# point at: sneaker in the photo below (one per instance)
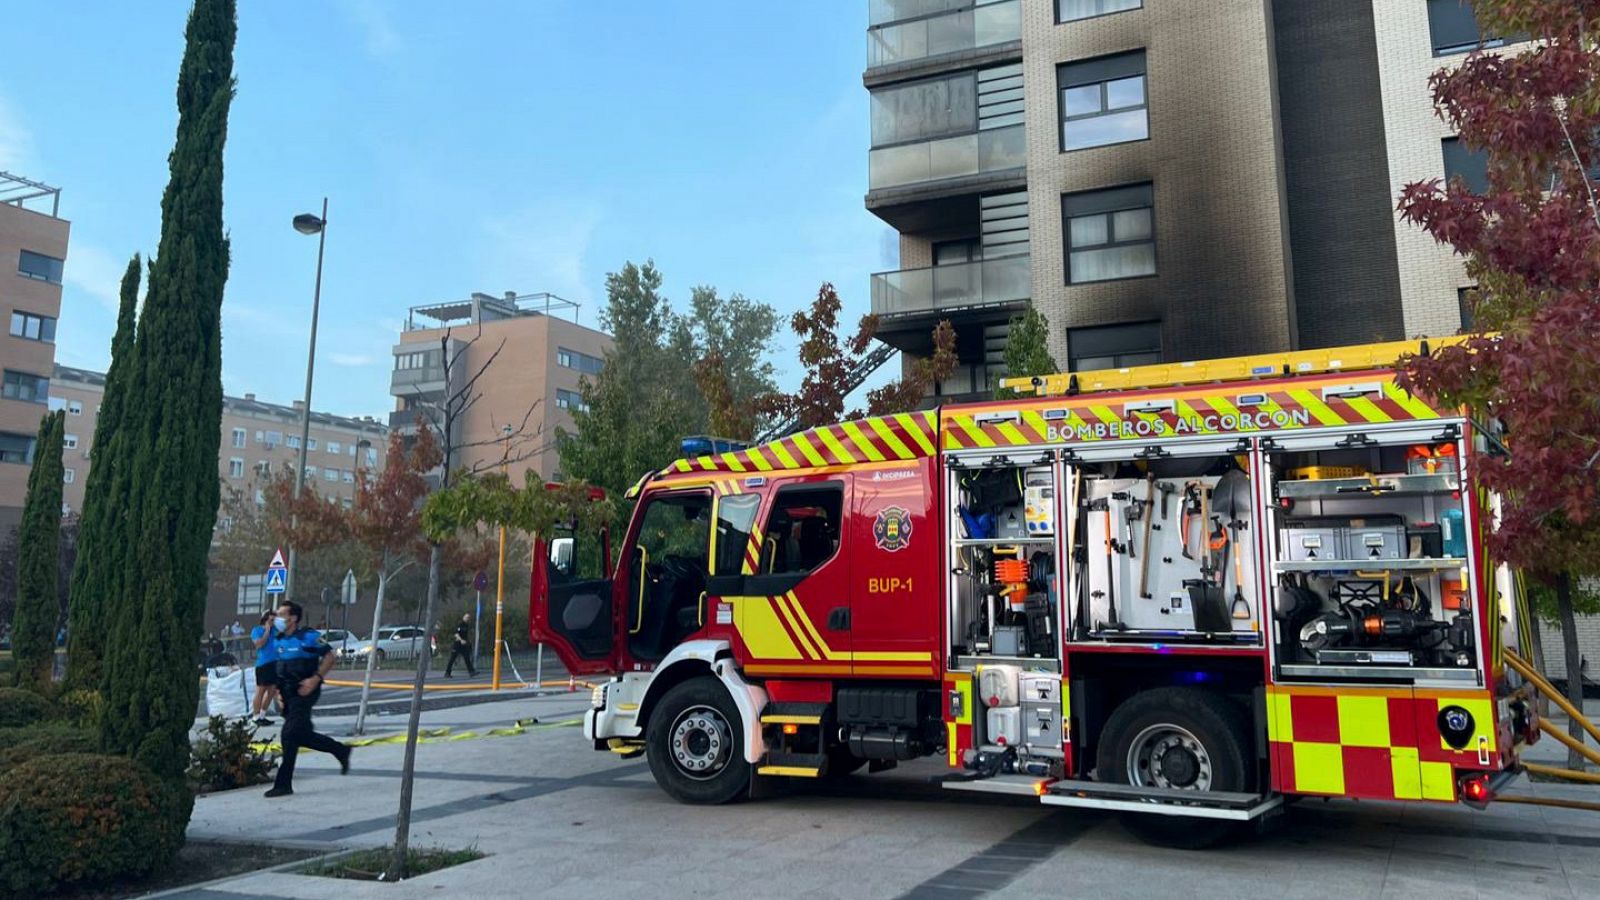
(263, 720)
(279, 792)
(344, 761)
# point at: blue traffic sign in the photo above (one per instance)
(276, 579)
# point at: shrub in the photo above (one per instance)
(48, 741)
(82, 707)
(225, 757)
(83, 818)
(21, 734)
(20, 707)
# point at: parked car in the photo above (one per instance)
(343, 642)
(397, 642)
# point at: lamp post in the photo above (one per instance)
(307, 223)
(500, 581)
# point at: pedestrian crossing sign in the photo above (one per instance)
(277, 574)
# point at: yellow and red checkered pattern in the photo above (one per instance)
(1376, 743)
(903, 436)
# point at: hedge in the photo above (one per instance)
(20, 707)
(47, 741)
(82, 818)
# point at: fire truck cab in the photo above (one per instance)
(1181, 592)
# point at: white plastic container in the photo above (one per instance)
(1005, 726)
(997, 685)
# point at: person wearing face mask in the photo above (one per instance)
(303, 661)
(266, 668)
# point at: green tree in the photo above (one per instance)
(33, 630)
(168, 490)
(1027, 350)
(98, 524)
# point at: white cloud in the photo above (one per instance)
(371, 18)
(351, 360)
(540, 249)
(93, 271)
(16, 141)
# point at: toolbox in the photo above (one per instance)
(1044, 690)
(1314, 538)
(1043, 724)
(1375, 537)
(1424, 540)
(1009, 640)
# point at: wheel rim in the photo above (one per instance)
(1167, 756)
(701, 743)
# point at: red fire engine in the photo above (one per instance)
(1183, 591)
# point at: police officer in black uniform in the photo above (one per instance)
(303, 660)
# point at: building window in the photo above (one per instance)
(1114, 346)
(274, 438)
(926, 109)
(252, 594)
(352, 451)
(333, 447)
(418, 360)
(1454, 29)
(330, 474)
(69, 441)
(1073, 10)
(37, 265)
(75, 407)
(566, 399)
(349, 476)
(1465, 298)
(1471, 166)
(294, 442)
(25, 386)
(238, 437)
(1110, 234)
(583, 362)
(33, 328)
(372, 456)
(311, 443)
(263, 468)
(235, 468)
(68, 476)
(311, 473)
(345, 502)
(16, 448)
(1103, 101)
(261, 497)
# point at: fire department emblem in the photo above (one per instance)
(892, 530)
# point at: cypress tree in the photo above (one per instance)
(97, 528)
(38, 605)
(168, 487)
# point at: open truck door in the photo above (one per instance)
(570, 604)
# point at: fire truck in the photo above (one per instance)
(1181, 592)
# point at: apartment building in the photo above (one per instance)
(33, 239)
(258, 438)
(1164, 180)
(530, 389)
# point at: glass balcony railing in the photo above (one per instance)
(982, 283)
(983, 25)
(966, 154)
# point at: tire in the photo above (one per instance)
(694, 743)
(1180, 738)
(841, 762)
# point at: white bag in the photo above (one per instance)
(228, 691)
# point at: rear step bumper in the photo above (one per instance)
(1240, 807)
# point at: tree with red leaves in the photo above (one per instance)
(828, 362)
(1532, 242)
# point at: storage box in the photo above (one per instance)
(1424, 541)
(997, 685)
(1318, 538)
(1320, 473)
(1044, 690)
(1043, 725)
(1005, 726)
(1375, 537)
(1009, 640)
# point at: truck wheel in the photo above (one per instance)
(1183, 739)
(695, 744)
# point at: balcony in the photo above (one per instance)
(406, 419)
(965, 155)
(986, 25)
(999, 282)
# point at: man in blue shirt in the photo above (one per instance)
(266, 669)
(303, 661)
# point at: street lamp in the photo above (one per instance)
(308, 224)
(500, 582)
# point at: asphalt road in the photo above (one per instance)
(554, 814)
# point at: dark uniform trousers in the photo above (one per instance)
(298, 732)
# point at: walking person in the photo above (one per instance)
(303, 661)
(266, 669)
(461, 646)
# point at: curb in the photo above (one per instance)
(332, 856)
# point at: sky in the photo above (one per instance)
(476, 145)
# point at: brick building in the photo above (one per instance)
(1163, 180)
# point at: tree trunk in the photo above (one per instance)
(372, 652)
(1574, 661)
(402, 829)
